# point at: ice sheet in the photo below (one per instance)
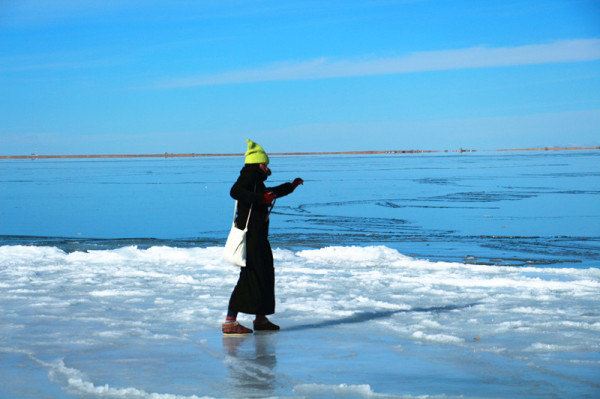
(357, 322)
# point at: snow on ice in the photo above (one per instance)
(56, 304)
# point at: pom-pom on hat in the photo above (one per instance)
(255, 153)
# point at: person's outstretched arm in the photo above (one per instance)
(286, 188)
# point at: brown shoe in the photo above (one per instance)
(234, 328)
(265, 325)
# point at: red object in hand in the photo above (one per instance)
(268, 197)
(297, 181)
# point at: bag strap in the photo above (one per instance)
(235, 212)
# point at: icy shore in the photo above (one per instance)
(358, 322)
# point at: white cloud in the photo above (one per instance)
(425, 61)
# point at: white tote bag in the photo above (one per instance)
(235, 247)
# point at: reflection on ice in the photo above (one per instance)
(251, 372)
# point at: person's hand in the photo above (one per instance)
(268, 197)
(297, 181)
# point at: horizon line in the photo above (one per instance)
(302, 153)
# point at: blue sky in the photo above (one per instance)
(201, 76)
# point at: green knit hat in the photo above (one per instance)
(255, 153)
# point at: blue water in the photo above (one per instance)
(444, 275)
(494, 208)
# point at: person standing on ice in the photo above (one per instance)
(254, 292)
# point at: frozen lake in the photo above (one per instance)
(472, 275)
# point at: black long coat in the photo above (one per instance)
(254, 292)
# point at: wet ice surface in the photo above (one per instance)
(133, 323)
(123, 295)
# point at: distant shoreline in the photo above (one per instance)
(308, 153)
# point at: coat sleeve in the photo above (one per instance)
(243, 189)
(282, 190)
